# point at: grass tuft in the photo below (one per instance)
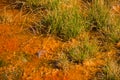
(65, 24)
(82, 52)
(98, 14)
(112, 71)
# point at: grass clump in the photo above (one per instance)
(44, 4)
(65, 24)
(63, 62)
(33, 2)
(23, 56)
(97, 14)
(53, 4)
(112, 71)
(114, 30)
(82, 52)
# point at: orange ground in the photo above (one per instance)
(15, 43)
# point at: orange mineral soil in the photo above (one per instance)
(27, 56)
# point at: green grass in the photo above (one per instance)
(114, 30)
(65, 24)
(98, 15)
(33, 2)
(63, 62)
(112, 71)
(46, 4)
(23, 56)
(85, 50)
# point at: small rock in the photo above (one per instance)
(40, 53)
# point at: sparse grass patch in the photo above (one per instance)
(3, 76)
(98, 14)
(64, 63)
(46, 4)
(25, 57)
(17, 74)
(52, 5)
(33, 2)
(13, 74)
(114, 30)
(114, 36)
(85, 50)
(63, 19)
(65, 24)
(112, 71)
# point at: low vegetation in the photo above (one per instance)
(52, 39)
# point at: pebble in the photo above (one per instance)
(40, 53)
